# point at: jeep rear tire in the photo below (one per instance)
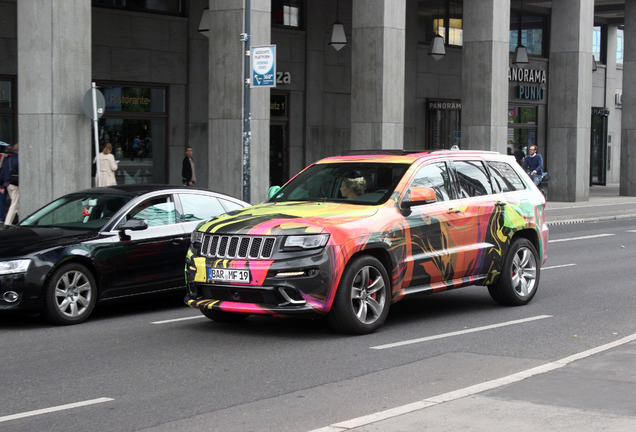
(519, 278)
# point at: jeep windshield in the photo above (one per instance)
(354, 182)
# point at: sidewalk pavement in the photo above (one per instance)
(604, 204)
(591, 391)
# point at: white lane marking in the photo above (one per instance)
(469, 391)
(631, 231)
(54, 409)
(580, 238)
(460, 332)
(557, 266)
(178, 319)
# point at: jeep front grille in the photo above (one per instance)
(237, 247)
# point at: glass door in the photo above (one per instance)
(598, 151)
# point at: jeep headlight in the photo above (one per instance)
(310, 241)
(15, 266)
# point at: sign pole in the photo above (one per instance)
(96, 133)
(247, 115)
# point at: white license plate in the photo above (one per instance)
(228, 275)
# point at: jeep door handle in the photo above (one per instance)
(500, 203)
(453, 210)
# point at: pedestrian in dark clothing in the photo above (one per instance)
(187, 168)
(9, 183)
(533, 164)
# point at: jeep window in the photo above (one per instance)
(322, 182)
(436, 177)
(472, 179)
(504, 177)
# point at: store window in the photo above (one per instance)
(135, 123)
(172, 7)
(522, 130)
(444, 123)
(7, 111)
(286, 13)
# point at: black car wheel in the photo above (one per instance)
(519, 278)
(222, 316)
(70, 295)
(362, 301)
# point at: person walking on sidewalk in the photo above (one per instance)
(10, 182)
(3, 194)
(187, 168)
(107, 166)
(533, 164)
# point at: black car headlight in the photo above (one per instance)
(196, 237)
(14, 266)
(308, 241)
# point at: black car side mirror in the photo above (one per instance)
(134, 224)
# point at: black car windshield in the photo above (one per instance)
(86, 211)
(355, 182)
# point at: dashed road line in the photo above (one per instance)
(580, 238)
(54, 409)
(458, 333)
(178, 319)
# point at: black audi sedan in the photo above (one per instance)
(102, 244)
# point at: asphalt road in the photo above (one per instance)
(163, 367)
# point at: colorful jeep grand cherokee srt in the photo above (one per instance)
(350, 235)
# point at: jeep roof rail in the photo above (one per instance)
(381, 152)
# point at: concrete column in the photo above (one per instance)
(54, 72)
(570, 99)
(225, 112)
(318, 32)
(485, 61)
(628, 133)
(377, 76)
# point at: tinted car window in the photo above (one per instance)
(200, 207)
(472, 179)
(89, 211)
(434, 176)
(156, 211)
(504, 177)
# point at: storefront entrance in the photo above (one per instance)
(598, 151)
(278, 139)
(135, 123)
(444, 123)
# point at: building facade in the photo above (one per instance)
(172, 74)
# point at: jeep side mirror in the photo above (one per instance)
(421, 195)
(271, 193)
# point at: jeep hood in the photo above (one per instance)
(288, 218)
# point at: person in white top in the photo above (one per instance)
(107, 166)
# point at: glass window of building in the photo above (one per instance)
(7, 111)
(620, 47)
(532, 31)
(596, 43)
(172, 7)
(286, 13)
(135, 123)
(443, 17)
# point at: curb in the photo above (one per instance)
(591, 219)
